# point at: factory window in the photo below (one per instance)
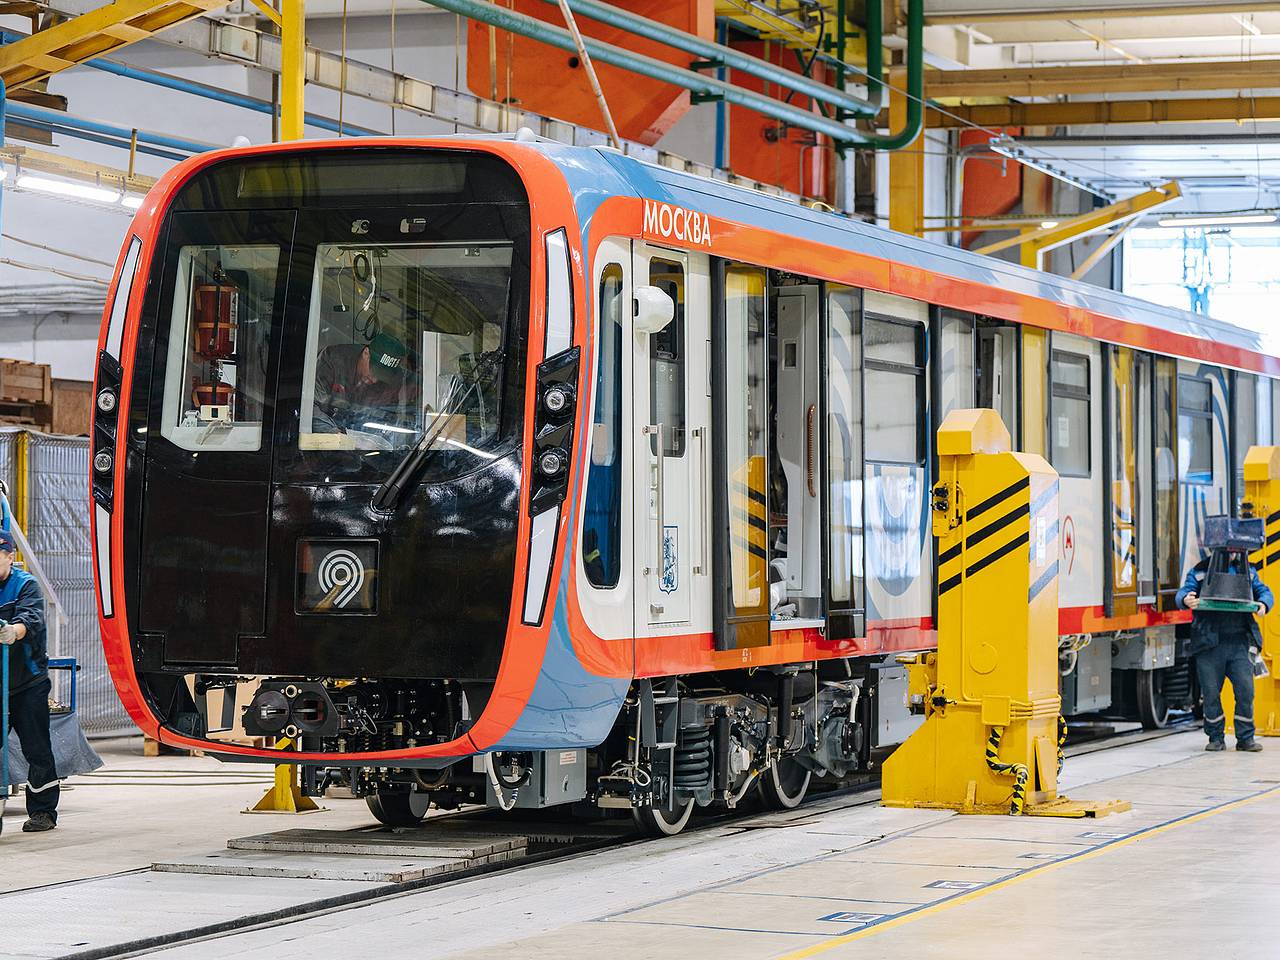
(602, 522)
(1069, 423)
(223, 306)
(1195, 430)
(894, 353)
(666, 362)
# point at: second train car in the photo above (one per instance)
(499, 470)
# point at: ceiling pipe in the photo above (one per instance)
(915, 80)
(735, 59)
(660, 70)
(55, 118)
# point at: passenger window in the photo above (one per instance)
(666, 362)
(894, 353)
(1069, 445)
(215, 373)
(602, 521)
(1195, 430)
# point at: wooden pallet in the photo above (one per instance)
(22, 381)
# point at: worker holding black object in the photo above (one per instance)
(1224, 593)
(22, 630)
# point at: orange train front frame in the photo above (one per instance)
(557, 683)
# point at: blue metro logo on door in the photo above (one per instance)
(669, 579)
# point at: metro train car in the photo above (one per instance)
(495, 470)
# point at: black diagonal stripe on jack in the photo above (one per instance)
(991, 501)
(1273, 557)
(1273, 517)
(949, 583)
(1273, 538)
(951, 552)
(1019, 541)
(996, 525)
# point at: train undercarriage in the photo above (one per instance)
(680, 743)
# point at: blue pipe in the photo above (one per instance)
(222, 96)
(26, 111)
(122, 144)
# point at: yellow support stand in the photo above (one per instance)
(1262, 499)
(990, 741)
(285, 795)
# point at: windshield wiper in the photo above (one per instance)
(387, 497)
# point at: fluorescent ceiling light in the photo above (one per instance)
(131, 203)
(67, 188)
(1048, 224)
(1221, 220)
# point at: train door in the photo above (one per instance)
(1120, 456)
(846, 599)
(209, 429)
(606, 584)
(1145, 477)
(996, 372)
(671, 400)
(899, 549)
(1075, 450)
(797, 540)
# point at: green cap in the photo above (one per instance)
(387, 358)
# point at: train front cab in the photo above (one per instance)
(316, 386)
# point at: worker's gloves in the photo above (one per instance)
(8, 634)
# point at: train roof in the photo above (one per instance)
(753, 208)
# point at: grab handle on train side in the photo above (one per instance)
(655, 430)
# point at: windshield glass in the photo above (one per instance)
(404, 339)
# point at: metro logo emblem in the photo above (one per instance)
(665, 222)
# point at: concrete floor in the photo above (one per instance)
(1191, 871)
(135, 810)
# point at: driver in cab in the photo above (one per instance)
(358, 384)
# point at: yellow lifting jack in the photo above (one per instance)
(992, 737)
(285, 795)
(1262, 499)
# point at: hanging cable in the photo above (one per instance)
(58, 251)
(1018, 771)
(41, 268)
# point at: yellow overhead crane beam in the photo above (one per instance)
(92, 34)
(1107, 78)
(1035, 242)
(106, 29)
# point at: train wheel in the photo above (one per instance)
(399, 808)
(1153, 708)
(662, 821)
(784, 784)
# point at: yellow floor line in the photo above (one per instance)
(906, 918)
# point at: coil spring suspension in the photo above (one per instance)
(693, 759)
(1018, 771)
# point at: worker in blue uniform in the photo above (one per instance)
(22, 630)
(1223, 643)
